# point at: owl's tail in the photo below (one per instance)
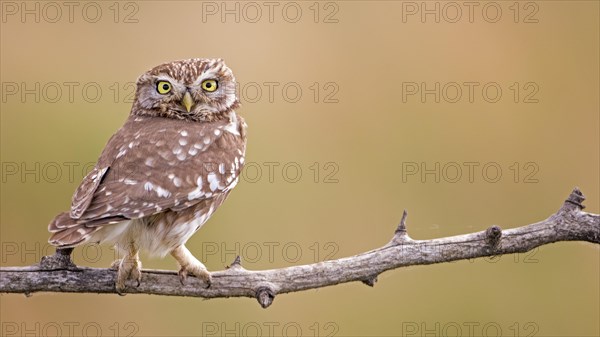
(68, 232)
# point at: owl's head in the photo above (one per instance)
(193, 89)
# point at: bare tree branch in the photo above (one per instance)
(58, 274)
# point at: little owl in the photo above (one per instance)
(165, 172)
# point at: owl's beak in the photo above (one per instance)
(187, 101)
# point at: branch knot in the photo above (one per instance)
(60, 260)
(575, 199)
(493, 235)
(401, 230)
(236, 264)
(400, 234)
(265, 296)
(370, 281)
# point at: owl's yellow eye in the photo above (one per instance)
(163, 87)
(210, 85)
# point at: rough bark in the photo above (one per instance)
(57, 273)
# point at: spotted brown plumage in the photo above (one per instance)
(165, 172)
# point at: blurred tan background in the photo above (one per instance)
(65, 86)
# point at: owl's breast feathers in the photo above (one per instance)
(152, 165)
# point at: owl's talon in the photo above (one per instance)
(190, 265)
(115, 264)
(120, 286)
(120, 290)
(128, 268)
(136, 274)
(182, 276)
(200, 272)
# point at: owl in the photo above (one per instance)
(164, 173)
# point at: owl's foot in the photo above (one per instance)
(198, 270)
(128, 268)
(190, 265)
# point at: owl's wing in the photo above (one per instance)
(85, 192)
(155, 164)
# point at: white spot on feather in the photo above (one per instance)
(213, 181)
(161, 192)
(233, 118)
(197, 192)
(233, 126)
(233, 183)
